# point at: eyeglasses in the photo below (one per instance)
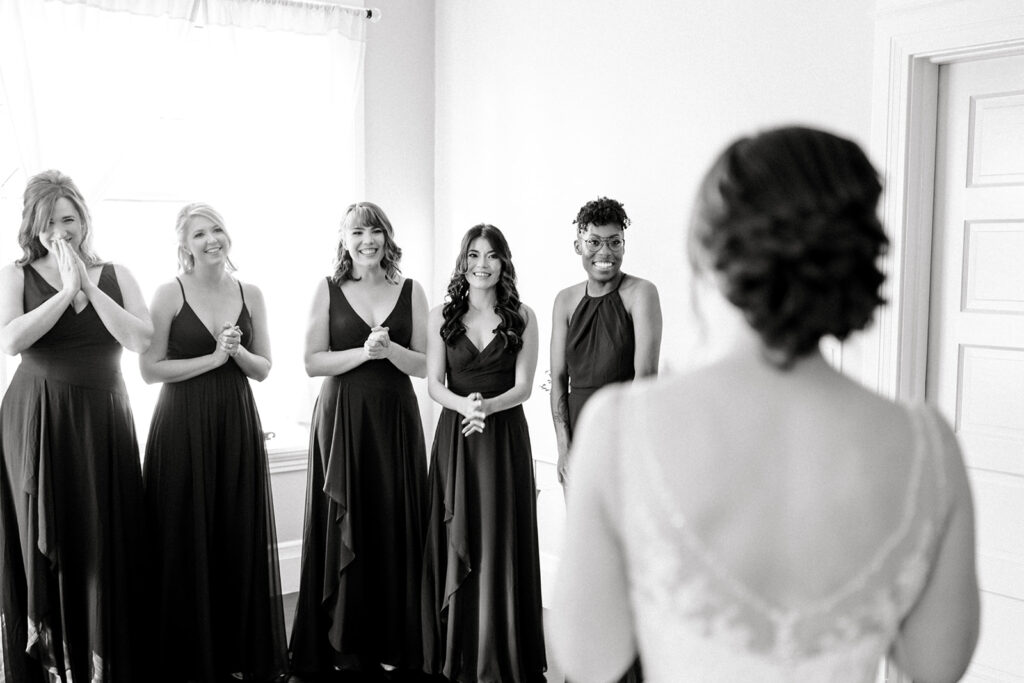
(592, 245)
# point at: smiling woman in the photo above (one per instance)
(71, 537)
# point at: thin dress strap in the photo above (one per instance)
(241, 291)
(182, 287)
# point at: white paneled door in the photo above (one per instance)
(976, 329)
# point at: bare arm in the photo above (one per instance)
(130, 325)
(436, 368)
(256, 362)
(646, 315)
(592, 623)
(412, 360)
(20, 330)
(526, 367)
(938, 637)
(153, 363)
(560, 383)
(320, 361)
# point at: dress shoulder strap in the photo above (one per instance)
(241, 290)
(182, 288)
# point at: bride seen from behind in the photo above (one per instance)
(765, 517)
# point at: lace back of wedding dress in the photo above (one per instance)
(695, 621)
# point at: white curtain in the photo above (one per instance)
(249, 105)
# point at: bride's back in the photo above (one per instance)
(785, 517)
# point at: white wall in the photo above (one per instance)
(542, 106)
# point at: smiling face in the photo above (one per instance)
(207, 241)
(601, 248)
(64, 224)
(483, 265)
(364, 243)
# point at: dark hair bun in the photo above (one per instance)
(788, 220)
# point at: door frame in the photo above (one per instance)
(913, 38)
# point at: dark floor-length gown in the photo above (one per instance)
(482, 611)
(599, 350)
(72, 546)
(217, 589)
(362, 547)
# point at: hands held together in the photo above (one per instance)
(378, 344)
(229, 341)
(474, 414)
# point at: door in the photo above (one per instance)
(975, 371)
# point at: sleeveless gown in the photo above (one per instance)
(362, 547)
(599, 350)
(217, 589)
(72, 543)
(482, 613)
(599, 347)
(696, 621)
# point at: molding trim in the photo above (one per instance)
(912, 39)
(288, 461)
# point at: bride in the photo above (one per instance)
(765, 517)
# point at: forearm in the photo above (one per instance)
(131, 332)
(179, 369)
(410, 362)
(254, 366)
(26, 329)
(510, 399)
(330, 363)
(445, 396)
(560, 413)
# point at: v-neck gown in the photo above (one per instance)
(482, 612)
(217, 589)
(359, 597)
(71, 527)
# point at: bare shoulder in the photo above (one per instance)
(436, 316)
(636, 290)
(567, 299)
(526, 312)
(12, 273)
(251, 291)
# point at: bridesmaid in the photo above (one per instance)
(482, 615)
(71, 535)
(208, 498)
(359, 597)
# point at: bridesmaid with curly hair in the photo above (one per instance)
(482, 618)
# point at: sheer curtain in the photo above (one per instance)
(249, 105)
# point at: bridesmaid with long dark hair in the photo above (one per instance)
(217, 585)
(71, 535)
(482, 614)
(359, 597)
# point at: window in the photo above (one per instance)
(148, 113)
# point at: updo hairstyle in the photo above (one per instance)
(786, 221)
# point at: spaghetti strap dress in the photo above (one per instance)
(72, 545)
(599, 350)
(482, 612)
(599, 347)
(359, 595)
(216, 587)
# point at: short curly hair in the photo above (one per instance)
(788, 222)
(601, 211)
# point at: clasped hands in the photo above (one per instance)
(74, 276)
(378, 345)
(474, 414)
(229, 341)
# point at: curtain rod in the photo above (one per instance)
(371, 14)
